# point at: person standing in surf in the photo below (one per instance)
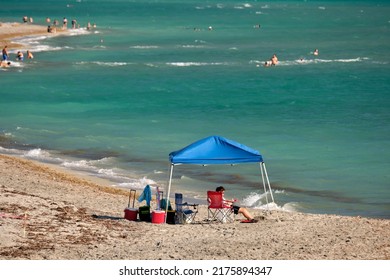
(5, 53)
(274, 60)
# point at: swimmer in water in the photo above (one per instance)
(274, 60)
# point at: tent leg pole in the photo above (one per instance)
(265, 189)
(169, 192)
(270, 190)
(269, 185)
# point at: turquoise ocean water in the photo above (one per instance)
(152, 78)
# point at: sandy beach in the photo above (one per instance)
(11, 30)
(48, 213)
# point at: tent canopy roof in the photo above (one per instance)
(215, 150)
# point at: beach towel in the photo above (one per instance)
(163, 204)
(146, 195)
(249, 221)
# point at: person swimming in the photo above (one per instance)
(20, 56)
(5, 63)
(274, 60)
(29, 55)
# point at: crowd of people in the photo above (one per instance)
(273, 61)
(19, 56)
(51, 28)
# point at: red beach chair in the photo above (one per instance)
(217, 209)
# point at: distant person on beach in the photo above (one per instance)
(315, 52)
(88, 25)
(48, 20)
(55, 22)
(74, 22)
(5, 53)
(235, 208)
(25, 19)
(274, 60)
(29, 55)
(64, 23)
(51, 29)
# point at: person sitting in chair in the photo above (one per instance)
(236, 209)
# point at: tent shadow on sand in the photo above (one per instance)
(104, 217)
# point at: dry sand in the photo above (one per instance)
(46, 213)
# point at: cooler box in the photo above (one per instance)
(144, 213)
(131, 214)
(158, 217)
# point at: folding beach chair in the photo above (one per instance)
(185, 212)
(217, 209)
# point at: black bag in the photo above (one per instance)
(144, 213)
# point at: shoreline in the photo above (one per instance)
(48, 213)
(111, 182)
(10, 31)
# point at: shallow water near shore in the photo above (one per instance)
(152, 78)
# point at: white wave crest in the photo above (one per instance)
(191, 46)
(37, 153)
(77, 31)
(102, 63)
(263, 201)
(110, 64)
(82, 165)
(303, 61)
(10, 151)
(143, 47)
(188, 64)
(34, 42)
(41, 155)
(138, 184)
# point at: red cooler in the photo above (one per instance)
(158, 217)
(131, 214)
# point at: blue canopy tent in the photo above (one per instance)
(218, 150)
